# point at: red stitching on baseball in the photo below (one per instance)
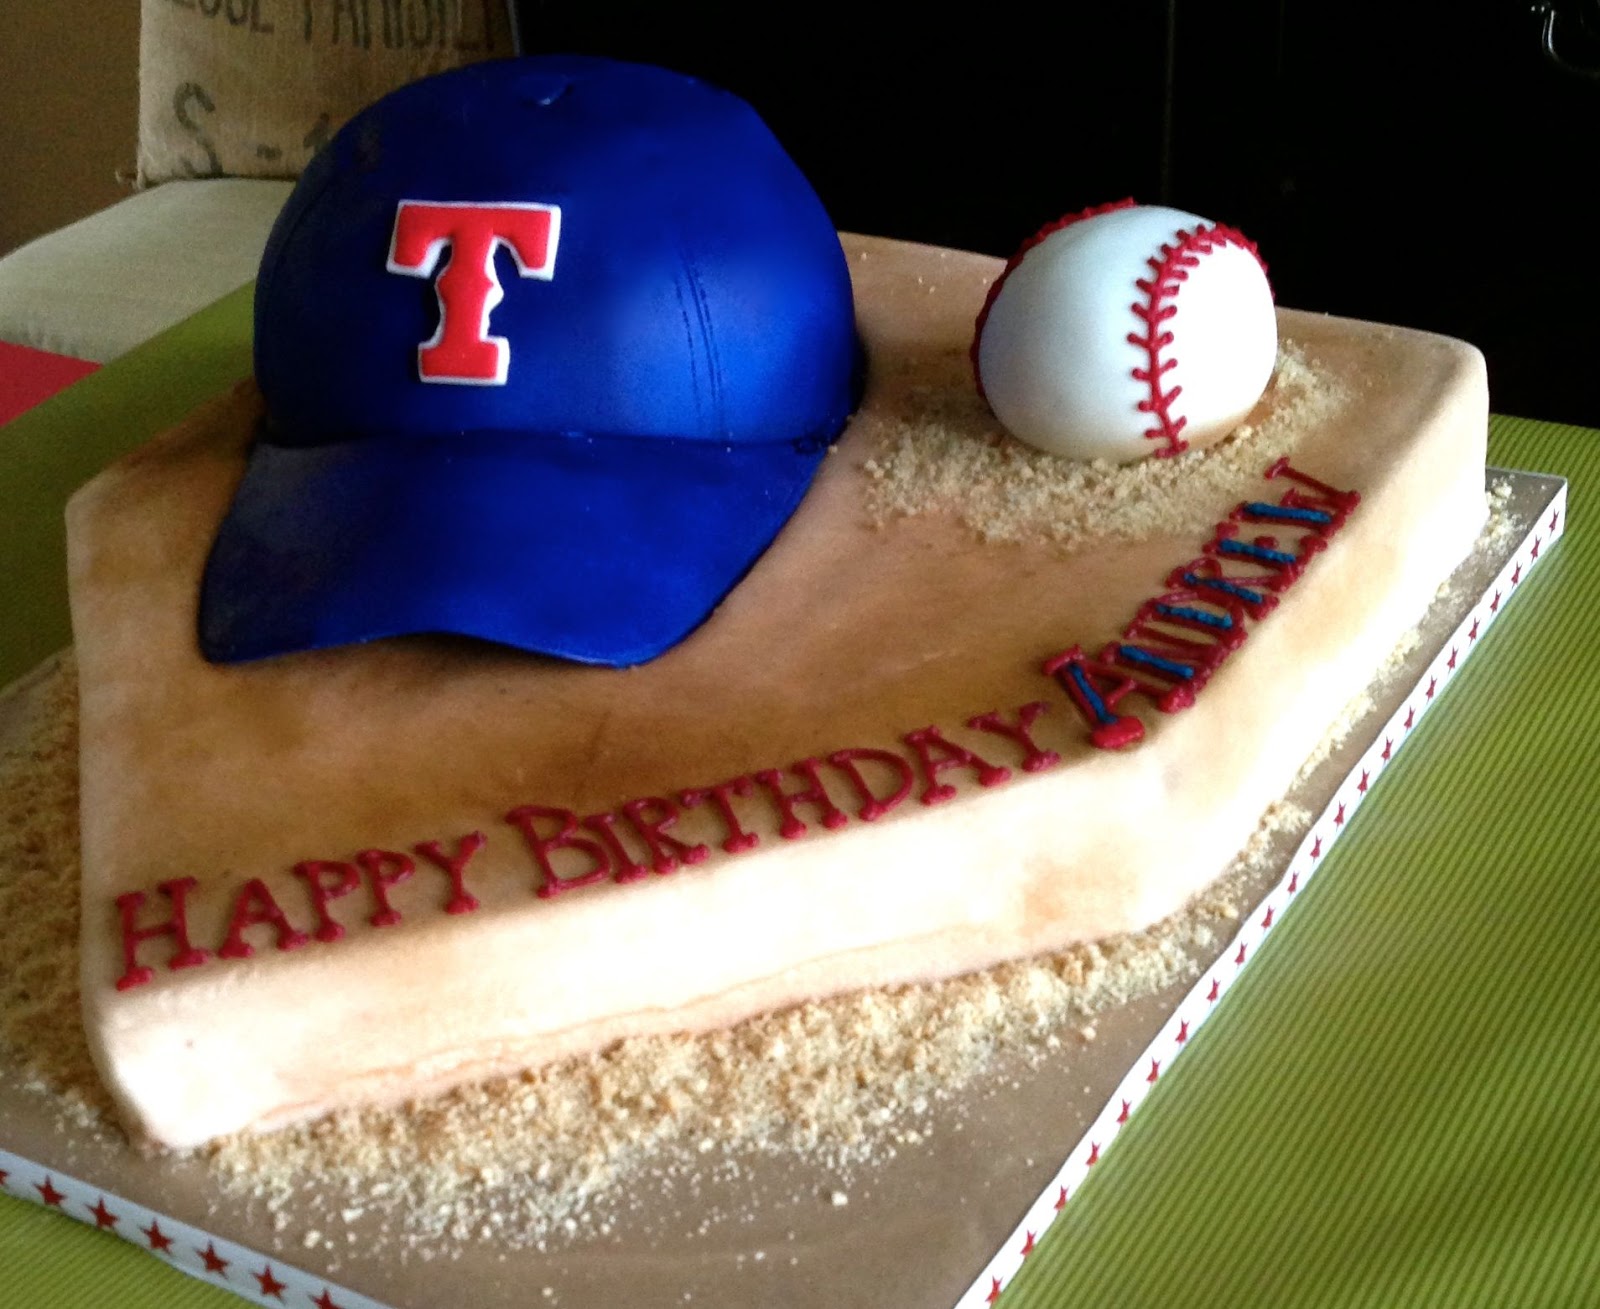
(1170, 270)
(1094, 211)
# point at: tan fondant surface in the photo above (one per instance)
(844, 635)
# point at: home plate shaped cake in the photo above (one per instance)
(972, 702)
(360, 874)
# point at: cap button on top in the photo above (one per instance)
(541, 88)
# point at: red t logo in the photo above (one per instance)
(462, 349)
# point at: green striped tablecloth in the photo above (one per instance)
(1398, 1106)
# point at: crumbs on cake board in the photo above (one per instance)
(842, 1084)
(1503, 524)
(951, 456)
(39, 874)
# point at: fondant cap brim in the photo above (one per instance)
(606, 551)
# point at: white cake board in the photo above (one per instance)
(951, 1224)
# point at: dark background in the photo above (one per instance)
(1422, 163)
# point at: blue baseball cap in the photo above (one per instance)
(551, 349)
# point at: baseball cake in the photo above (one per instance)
(581, 627)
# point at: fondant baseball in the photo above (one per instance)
(1126, 331)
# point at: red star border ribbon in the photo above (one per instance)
(252, 1275)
